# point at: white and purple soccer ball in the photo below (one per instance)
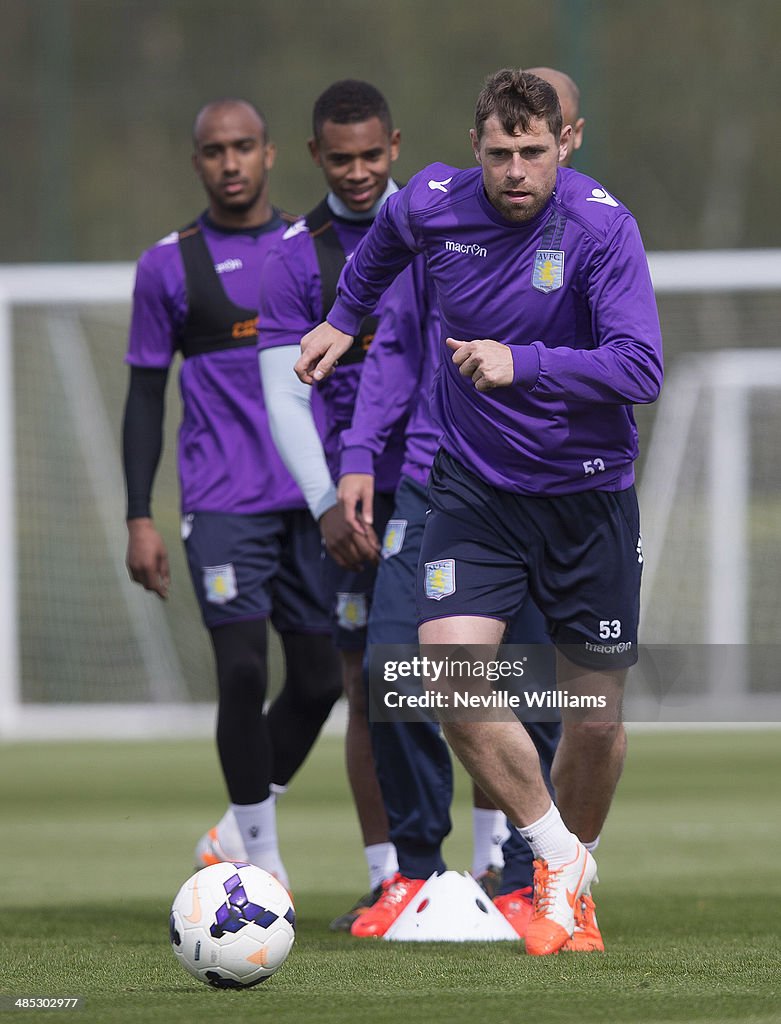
(232, 925)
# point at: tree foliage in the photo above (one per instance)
(99, 96)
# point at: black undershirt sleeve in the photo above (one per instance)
(142, 436)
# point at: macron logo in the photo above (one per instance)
(228, 265)
(599, 195)
(470, 250)
(439, 186)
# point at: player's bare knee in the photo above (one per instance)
(595, 735)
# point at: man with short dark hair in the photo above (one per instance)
(252, 548)
(355, 145)
(551, 325)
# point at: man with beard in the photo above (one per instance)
(551, 330)
(412, 759)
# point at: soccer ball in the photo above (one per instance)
(232, 925)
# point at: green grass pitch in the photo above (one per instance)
(96, 839)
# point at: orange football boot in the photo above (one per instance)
(587, 937)
(377, 919)
(518, 907)
(208, 851)
(556, 893)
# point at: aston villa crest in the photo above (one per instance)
(440, 579)
(352, 611)
(393, 541)
(548, 272)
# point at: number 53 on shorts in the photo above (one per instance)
(609, 629)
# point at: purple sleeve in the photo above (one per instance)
(390, 379)
(285, 310)
(626, 367)
(152, 337)
(379, 258)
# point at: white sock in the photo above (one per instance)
(550, 839)
(229, 836)
(258, 827)
(593, 844)
(489, 833)
(382, 861)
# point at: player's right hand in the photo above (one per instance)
(347, 547)
(320, 351)
(489, 363)
(147, 557)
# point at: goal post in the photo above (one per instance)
(10, 696)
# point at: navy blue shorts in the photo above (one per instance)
(392, 619)
(351, 592)
(579, 555)
(411, 758)
(257, 567)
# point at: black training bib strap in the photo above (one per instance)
(331, 259)
(213, 322)
(331, 256)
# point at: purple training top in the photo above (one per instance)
(568, 291)
(399, 370)
(227, 459)
(291, 304)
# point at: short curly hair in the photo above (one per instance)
(517, 97)
(350, 101)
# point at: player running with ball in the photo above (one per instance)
(552, 333)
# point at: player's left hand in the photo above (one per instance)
(489, 363)
(356, 497)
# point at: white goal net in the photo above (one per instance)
(710, 493)
(711, 511)
(83, 651)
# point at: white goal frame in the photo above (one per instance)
(62, 284)
(731, 377)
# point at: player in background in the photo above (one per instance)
(413, 763)
(569, 100)
(252, 548)
(552, 335)
(355, 145)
